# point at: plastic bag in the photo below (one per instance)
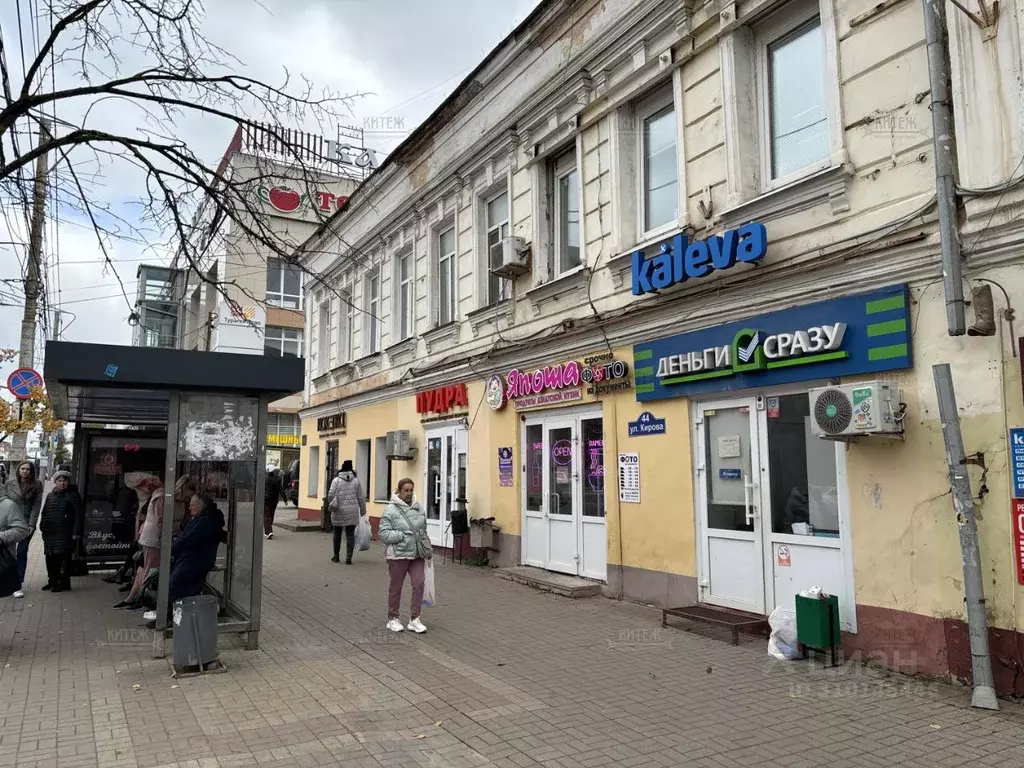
(429, 594)
(782, 644)
(363, 535)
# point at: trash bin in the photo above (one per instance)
(195, 631)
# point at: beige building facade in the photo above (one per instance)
(779, 157)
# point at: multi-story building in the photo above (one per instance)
(294, 187)
(157, 304)
(599, 284)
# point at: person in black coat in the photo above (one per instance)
(60, 522)
(194, 552)
(271, 495)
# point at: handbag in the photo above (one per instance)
(424, 549)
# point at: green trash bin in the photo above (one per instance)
(817, 623)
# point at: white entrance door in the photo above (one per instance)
(564, 505)
(444, 479)
(728, 469)
(772, 506)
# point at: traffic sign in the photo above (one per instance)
(23, 381)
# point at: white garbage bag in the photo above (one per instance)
(363, 535)
(816, 593)
(429, 593)
(782, 644)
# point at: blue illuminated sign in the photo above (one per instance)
(679, 260)
(1017, 461)
(865, 333)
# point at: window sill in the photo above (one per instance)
(441, 337)
(402, 352)
(573, 283)
(489, 314)
(831, 184)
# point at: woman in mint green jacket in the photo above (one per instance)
(403, 532)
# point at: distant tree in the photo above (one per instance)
(60, 452)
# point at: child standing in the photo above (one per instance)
(60, 522)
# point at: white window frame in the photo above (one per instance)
(276, 298)
(323, 338)
(313, 472)
(561, 166)
(660, 100)
(346, 327)
(276, 332)
(274, 426)
(405, 319)
(504, 229)
(778, 26)
(381, 470)
(743, 54)
(373, 311)
(453, 258)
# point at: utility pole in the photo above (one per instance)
(984, 696)
(33, 274)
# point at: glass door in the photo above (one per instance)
(561, 475)
(729, 492)
(535, 529)
(445, 480)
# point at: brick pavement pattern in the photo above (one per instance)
(505, 677)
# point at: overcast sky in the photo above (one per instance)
(410, 54)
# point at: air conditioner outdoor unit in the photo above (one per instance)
(852, 410)
(399, 445)
(510, 258)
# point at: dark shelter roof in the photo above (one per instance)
(105, 384)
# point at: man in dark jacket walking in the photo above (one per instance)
(271, 496)
(60, 521)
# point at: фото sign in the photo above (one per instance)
(679, 260)
(287, 198)
(442, 399)
(867, 333)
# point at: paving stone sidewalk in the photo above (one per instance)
(506, 677)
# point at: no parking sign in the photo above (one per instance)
(22, 381)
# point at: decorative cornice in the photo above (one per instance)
(442, 337)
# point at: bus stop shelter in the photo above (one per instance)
(173, 413)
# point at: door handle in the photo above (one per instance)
(750, 510)
(558, 497)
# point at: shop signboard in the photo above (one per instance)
(851, 336)
(678, 260)
(331, 425)
(1017, 461)
(629, 478)
(1018, 538)
(284, 441)
(600, 374)
(442, 400)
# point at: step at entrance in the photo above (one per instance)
(737, 621)
(547, 581)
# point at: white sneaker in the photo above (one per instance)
(149, 616)
(268, 536)
(416, 626)
(19, 593)
(395, 625)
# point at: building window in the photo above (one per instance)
(659, 194)
(347, 328)
(373, 312)
(313, 472)
(793, 105)
(363, 465)
(566, 186)
(323, 333)
(497, 231)
(405, 298)
(282, 342)
(381, 470)
(284, 284)
(283, 424)
(446, 276)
